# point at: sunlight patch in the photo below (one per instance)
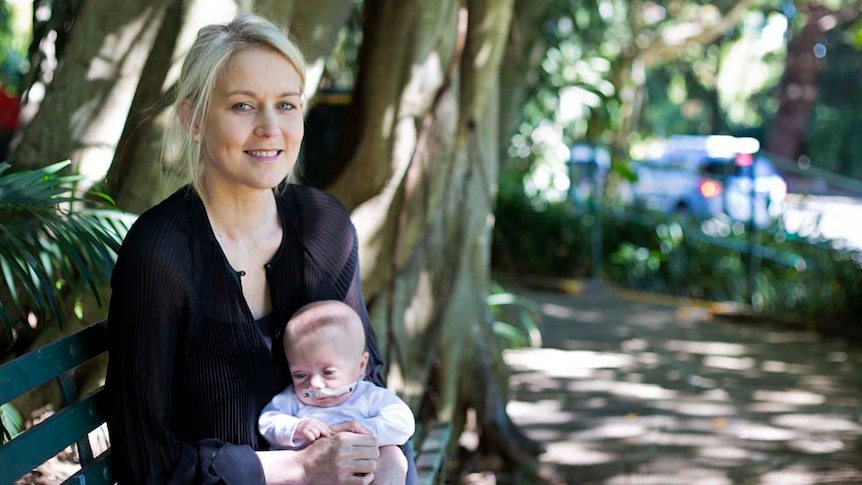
(798, 397)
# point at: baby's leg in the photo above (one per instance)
(391, 467)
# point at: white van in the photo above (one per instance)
(706, 176)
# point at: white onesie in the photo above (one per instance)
(376, 408)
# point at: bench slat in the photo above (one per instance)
(432, 453)
(41, 442)
(97, 471)
(43, 364)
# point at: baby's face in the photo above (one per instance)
(317, 363)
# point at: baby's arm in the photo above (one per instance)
(278, 421)
(388, 418)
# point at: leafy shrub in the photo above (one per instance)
(790, 278)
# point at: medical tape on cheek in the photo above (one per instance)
(317, 393)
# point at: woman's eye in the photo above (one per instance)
(286, 106)
(241, 107)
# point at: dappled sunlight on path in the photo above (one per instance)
(626, 391)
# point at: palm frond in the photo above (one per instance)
(11, 422)
(47, 242)
(518, 320)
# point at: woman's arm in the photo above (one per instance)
(331, 238)
(375, 362)
(355, 299)
(148, 311)
(328, 235)
(344, 458)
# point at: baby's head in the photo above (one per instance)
(324, 343)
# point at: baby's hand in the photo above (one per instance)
(350, 426)
(309, 430)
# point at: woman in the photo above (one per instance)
(206, 279)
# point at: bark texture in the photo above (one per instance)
(83, 112)
(797, 92)
(315, 26)
(420, 175)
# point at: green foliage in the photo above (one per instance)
(11, 422)
(11, 52)
(517, 321)
(47, 244)
(834, 143)
(723, 86)
(549, 241)
(810, 280)
(340, 68)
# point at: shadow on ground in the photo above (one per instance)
(628, 390)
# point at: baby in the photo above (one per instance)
(324, 343)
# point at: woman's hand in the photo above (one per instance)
(344, 458)
(350, 427)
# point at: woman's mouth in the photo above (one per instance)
(265, 155)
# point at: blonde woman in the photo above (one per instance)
(205, 280)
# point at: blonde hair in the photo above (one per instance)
(212, 49)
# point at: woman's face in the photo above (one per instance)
(254, 128)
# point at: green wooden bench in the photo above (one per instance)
(69, 425)
(83, 414)
(430, 445)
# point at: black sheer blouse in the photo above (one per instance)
(189, 368)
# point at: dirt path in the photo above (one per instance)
(628, 391)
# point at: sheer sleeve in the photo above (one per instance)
(355, 299)
(328, 235)
(375, 362)
(331, 237)
(148, 310)
(350, 273)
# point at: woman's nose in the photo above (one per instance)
(267, 124)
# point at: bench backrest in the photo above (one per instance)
(70, 424)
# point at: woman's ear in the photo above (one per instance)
(185, 112)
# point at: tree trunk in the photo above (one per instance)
(132, 190)
(797, 91)
(82, 115)
(316, 26)
(420, 176)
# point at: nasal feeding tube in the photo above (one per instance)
(318, 393)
